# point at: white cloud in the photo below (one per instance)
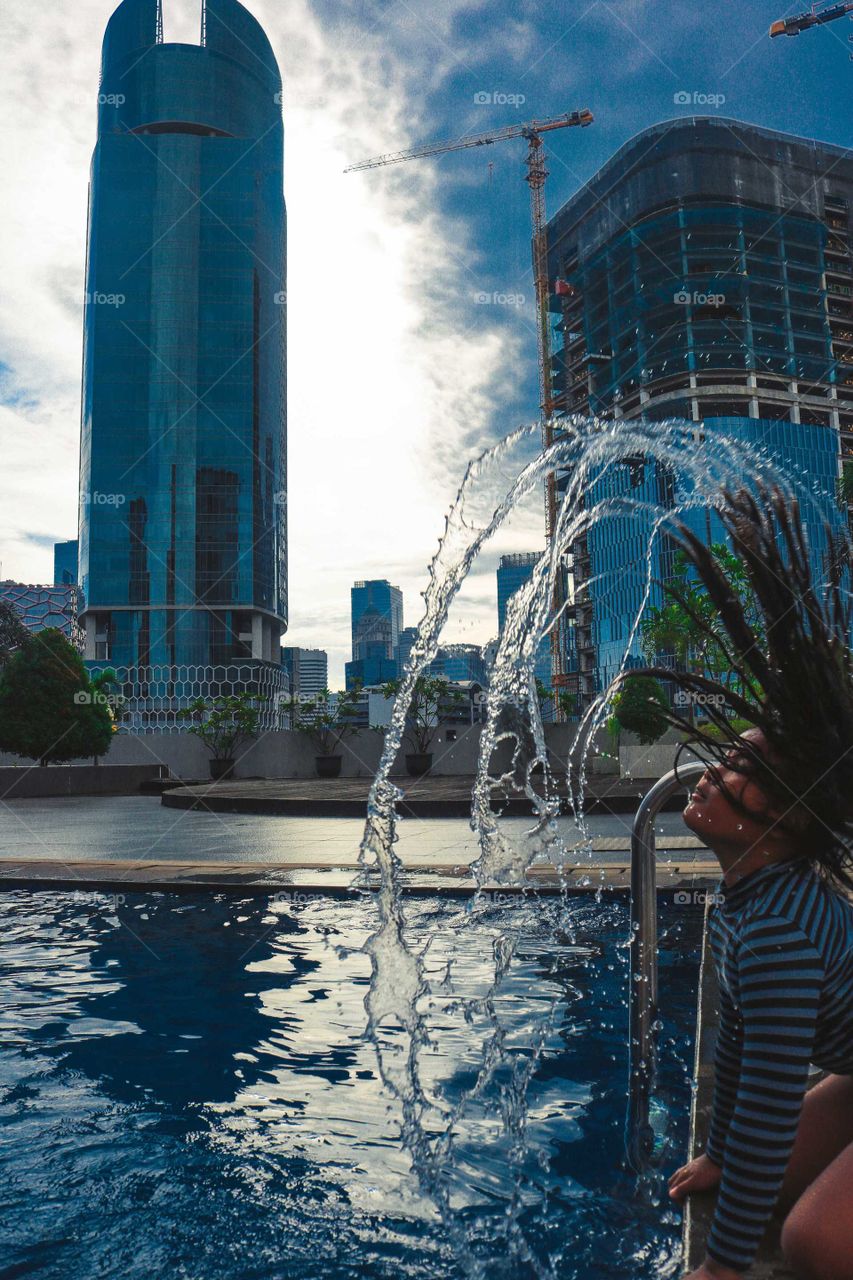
(388, 392)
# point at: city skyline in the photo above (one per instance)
(463, 377)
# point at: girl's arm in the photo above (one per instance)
(728, 1055)
(779, 978)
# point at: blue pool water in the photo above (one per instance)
(186, 1091)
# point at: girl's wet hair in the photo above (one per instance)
(789, 652)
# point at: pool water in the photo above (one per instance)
(186, 1091)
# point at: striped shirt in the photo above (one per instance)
(783, 948)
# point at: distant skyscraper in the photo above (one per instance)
(307, 670)
(513, 572)
(456, 662)
(182, 479)
(408, 636)
(706, 273)
(65, 564)
(377, 620)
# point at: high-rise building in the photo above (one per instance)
(513, 571)
(183, 552)
(377, 620)
(307, 670)
(704, 273)
(65, 564)
(408, 636)
(459, 663)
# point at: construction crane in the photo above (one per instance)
(535, 177)
(816, 17)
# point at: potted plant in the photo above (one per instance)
(223, 726)
(431, 695)
(327, 720)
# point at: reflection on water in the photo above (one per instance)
(187, 1091)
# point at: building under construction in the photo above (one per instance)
(705, 273)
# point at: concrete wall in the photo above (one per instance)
(653, 761)
(286, 754)
(17, 783)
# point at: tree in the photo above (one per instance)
(327, 720)
(688, 624)
(225, 723)
(639, 707)
(13, 633)
(431, 695)
(50, 710)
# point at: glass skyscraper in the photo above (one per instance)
(512, 573)
(377, 621)
(182, 548)
(704, 273)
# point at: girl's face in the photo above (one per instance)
(729, 808)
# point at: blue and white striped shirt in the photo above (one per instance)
(783, 946)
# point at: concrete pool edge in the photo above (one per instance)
(332, 879)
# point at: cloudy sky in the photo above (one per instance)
(398, 370)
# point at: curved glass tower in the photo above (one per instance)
(183, 551)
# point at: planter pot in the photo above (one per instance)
(328, 766)
(220, 770)
(418, 763)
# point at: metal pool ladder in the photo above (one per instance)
(643, 997)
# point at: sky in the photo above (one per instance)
(410, 299)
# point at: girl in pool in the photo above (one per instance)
(775, 806)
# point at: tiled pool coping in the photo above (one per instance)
(333, 878)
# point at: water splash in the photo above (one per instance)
(399, 1002)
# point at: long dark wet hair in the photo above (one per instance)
(789, 650)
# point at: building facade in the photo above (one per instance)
(65, 564)
(704, 273)
(512, 573)
(182, 547)
(40, 607)
(377, 621)
(307, 671)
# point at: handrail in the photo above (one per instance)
(643, 996)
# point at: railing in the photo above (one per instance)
(643, 998)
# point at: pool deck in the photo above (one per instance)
(699, 1209)
(428, 797)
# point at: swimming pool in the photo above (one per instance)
(187, 1092)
